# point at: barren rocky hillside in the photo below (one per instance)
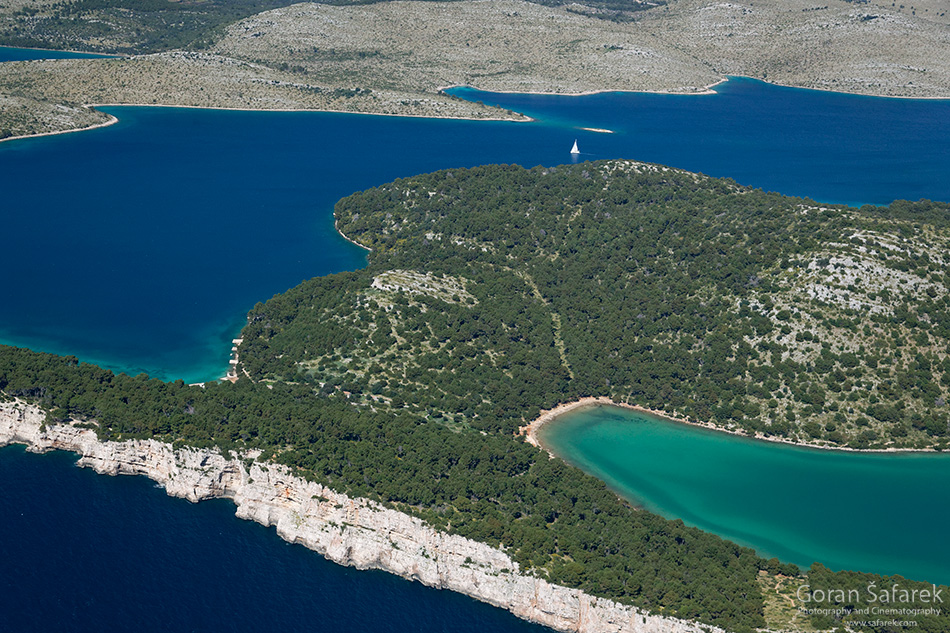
(876, 48)
(392, 57)
(681, 47)
(498, 45)
(45, 96)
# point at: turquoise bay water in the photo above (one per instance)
(142, 245)
(884, 513)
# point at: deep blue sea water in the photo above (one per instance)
(82, 552)
(142, 245)
(8, 54)
(828, 146)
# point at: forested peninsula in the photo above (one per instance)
(495, 292)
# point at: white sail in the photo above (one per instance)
(574, 149)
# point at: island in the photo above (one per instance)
(377, 414)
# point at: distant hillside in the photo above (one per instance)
(149, 26)
(394, 57)
(121, 26)
(865, 46)
(494, 292)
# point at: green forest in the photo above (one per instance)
(495, 292)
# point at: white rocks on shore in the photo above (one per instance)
(350, 531)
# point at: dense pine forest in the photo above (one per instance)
(495, 292)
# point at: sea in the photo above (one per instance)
(83, 552)
(141, 246)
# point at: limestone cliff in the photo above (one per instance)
(350, 531)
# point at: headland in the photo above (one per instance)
(350, 531)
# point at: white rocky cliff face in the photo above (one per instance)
(350, 531)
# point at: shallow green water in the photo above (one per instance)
(884, 513)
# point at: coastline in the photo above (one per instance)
(524, 119)
(350, 531)
(111, 121)
(707, 90)
(843, 92)
(234, 361)
(530, 431)
(336, 226)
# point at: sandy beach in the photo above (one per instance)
(531, 430)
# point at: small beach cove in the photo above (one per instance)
(881, 512)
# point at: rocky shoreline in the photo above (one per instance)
(350, 531)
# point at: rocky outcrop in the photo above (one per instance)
(350, 531)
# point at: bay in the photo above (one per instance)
(84, 552)
(828, 146)
(141, 246)
(872, 512)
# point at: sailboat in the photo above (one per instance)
(574, 149)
